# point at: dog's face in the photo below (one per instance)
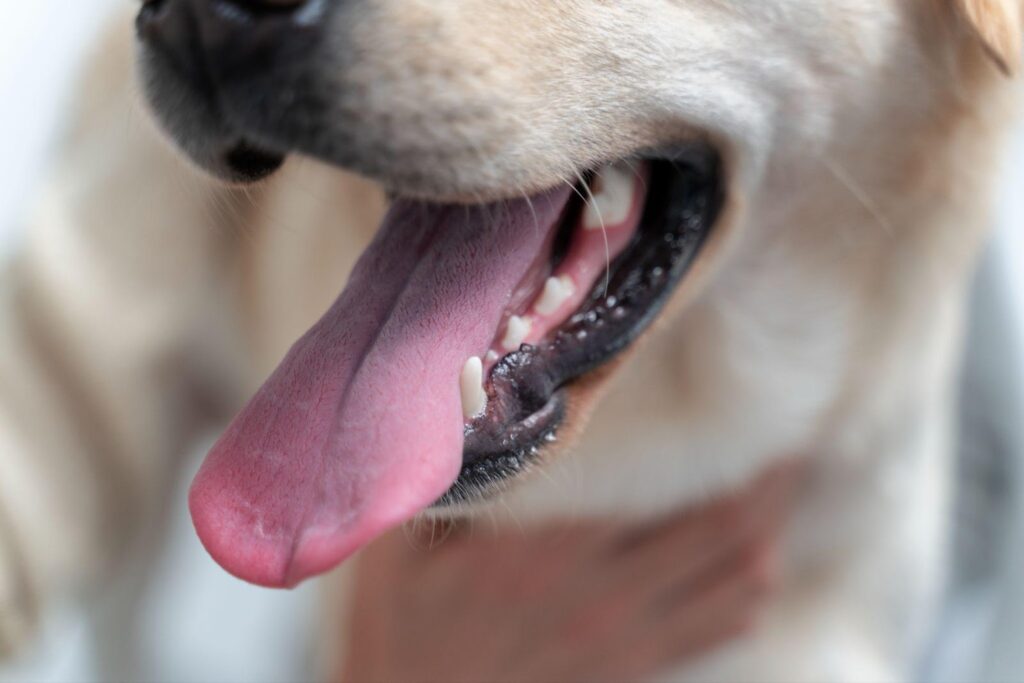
(561, 168)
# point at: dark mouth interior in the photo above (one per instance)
(527, 388)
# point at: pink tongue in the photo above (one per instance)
(360, 428)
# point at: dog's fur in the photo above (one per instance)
(861, 139)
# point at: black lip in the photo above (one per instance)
(528, 388)
(249, 163)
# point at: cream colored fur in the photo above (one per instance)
(862, 137)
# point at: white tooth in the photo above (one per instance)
(471, 386)
(612, 199)
(516, 332)
(556, 291)
(492, 356)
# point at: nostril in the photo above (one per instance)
(152, 12)
(283, 4)
(149, 14)
(267, 7)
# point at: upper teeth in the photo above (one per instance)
(612, 197)
(516, 332)
(471, 386)
(557, 291)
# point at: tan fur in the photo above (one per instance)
(861, 136)
(998, 24)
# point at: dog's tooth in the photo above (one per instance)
(612, 197)
(492, 356)
(471, 386)
(556, 291)
(516, 332)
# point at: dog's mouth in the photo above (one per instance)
(628, 234)
(444, 368)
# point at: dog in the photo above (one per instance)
(733, 231)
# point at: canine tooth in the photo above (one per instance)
(471, 386)
(492, 356)
(612, 197)
(556, 291)
(516, 332)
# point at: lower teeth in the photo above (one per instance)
(471, 387)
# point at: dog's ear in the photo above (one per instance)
(998, 24)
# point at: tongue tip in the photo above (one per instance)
(238, 544)
(237, 540)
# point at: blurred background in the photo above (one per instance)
(201, 625)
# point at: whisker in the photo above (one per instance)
(533, 211)
(604, 234)
(634, 166)
(858, 193)
(512, 515)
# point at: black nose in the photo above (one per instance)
(216, 35)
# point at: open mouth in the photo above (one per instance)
(445, 366)
(466, 334)
(627, 236)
